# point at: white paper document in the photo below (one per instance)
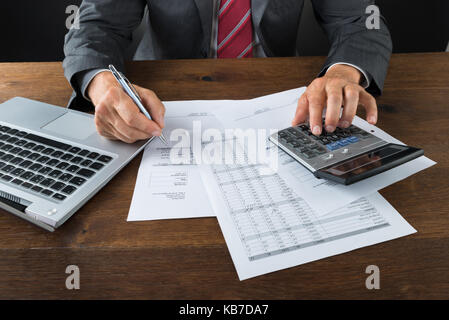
(275, 112)
(268, 226)
(165, 190)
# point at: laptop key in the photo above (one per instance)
(83, 153)
(57, 186)
(35, 166)
(86, 173)
(27, 185)
(21, 143)
(57, 154)
(2, 164)
(34, 156)
(48, 142)
(30, 145)
(105, 159)
(55, 174)
(48, 151)
(69, 189)
(6, 178)
(86, 163)
(7, 157)
(18, 171)
(66, 177)
(7, 147)
(97, 165)
(13, 140)
(47, 182)
(73, 168)
(75, 150)
(38, 178)
(26, 163)
(16, 160)
(8, 168)
(43, 159)
(93, 155)
(4, 129)
(47, 192)
(62, 165)
(59, 196)
(37, 188)
(16, 150)
(52, 162)
(21, 134)
(12, 131)
(17, 181)
(77, 181)
(27, 175)
(67, 157)
(39, 148)
(45, 170)
(76, 160)
(25, 153)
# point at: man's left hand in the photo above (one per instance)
(340, 86)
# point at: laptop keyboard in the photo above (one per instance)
(47, 167)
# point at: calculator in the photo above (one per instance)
(345, 155)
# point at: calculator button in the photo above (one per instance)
(353, 139)
(333, 146)
(343, 142)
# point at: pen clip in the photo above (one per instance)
(131, 87)
(121, 77)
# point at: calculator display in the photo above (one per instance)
(369, 163)
(365, 162)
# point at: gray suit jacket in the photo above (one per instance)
(182, 29)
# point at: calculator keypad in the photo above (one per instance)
(309, 146)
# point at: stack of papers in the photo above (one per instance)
(271, 219)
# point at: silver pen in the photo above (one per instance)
(132, 92)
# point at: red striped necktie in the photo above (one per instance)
(235, 29)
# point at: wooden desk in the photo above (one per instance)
(177, 259)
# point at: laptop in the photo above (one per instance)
(52, 161)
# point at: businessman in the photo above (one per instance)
(354, 71)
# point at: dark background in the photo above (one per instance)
(33, 30)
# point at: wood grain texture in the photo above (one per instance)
(188, 259)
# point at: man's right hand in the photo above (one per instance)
(117, 117)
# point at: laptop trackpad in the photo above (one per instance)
(72, 125)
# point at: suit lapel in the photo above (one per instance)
(205, 10)
(258, 9)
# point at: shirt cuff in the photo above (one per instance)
(85, 78)
(365, 83)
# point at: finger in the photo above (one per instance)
(131, 115)
(127, 133)
(334, 93)
(301, 111)
(316, 105)
(370, 105)
(351, 100)
(154, 106)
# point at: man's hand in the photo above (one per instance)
(340, 86)
(116, 115)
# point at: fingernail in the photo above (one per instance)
(316, 130)
(156, 134)
(330, 128)
(372, 119)
(344, 124)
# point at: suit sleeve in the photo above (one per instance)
(104, 35)
(352, 42)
